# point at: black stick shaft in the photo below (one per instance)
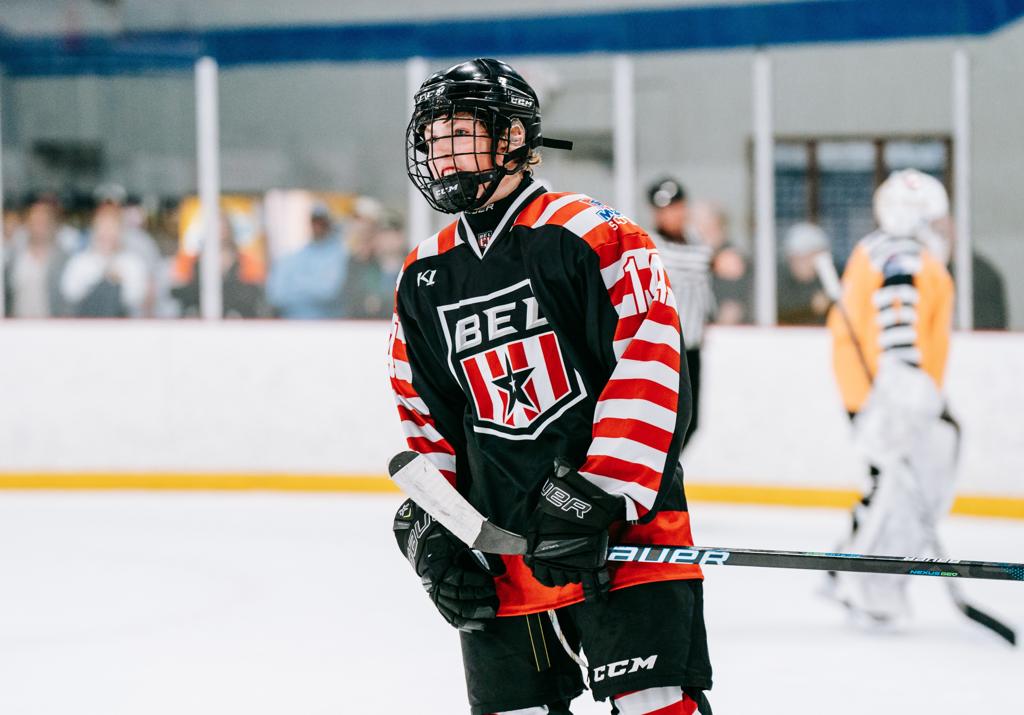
(817, 561)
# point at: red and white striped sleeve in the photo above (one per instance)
(410, 385)
(640, 416)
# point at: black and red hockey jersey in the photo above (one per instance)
(559, 339)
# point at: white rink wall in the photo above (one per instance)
(194, 396)
(772, 415)
(312, 398)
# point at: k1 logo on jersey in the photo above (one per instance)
(508, 360)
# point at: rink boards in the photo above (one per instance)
(306, 407)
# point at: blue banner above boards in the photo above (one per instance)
(649, 30)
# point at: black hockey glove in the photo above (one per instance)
(459, 580)
(567, 539)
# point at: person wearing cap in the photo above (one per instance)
(687, 261)
(307, 284)
(135, 239)
(801, 300)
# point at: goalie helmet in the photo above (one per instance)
(908, 201)
(496, 98)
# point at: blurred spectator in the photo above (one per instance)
(687, 261)
(68, 238)
(392, 248)
(989, 295)
(164, 228)
(730, 278)
(105, 280)
(36, 262)
(11, 221)
(134, 238)
(307, 284)
(989, 290)
(801, 299)
(369, 286)
(239, 299)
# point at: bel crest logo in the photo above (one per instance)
(509, 362)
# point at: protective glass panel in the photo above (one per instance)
(94, 168)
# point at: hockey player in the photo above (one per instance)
(535, 358)
(891, 333)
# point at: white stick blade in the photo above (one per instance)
(422, 482)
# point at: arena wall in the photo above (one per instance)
(307, 406)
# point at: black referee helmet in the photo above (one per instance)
(664, 192)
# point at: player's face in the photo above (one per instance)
(458, 143)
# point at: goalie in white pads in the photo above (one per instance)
(889, 356)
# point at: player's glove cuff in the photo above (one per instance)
(567, 539)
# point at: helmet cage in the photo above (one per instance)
(493, 108)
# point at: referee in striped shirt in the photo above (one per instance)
(687, 261)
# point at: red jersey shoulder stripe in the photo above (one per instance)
(540, 209)
(441, 242)
(596, 223)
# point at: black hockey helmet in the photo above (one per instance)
(495, 96)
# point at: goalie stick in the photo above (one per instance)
(422, 482)
(829, 279)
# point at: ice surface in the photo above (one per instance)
(268, 604)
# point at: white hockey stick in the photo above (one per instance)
(421, 480)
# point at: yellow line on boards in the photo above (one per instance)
(1006, 507)
(781, 496)
(965, 505)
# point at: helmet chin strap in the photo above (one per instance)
(458, 191)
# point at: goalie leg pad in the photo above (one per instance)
(889, 525)
(933, 461)
(899, 520)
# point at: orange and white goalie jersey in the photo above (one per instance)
(560, 338)
(900, 302)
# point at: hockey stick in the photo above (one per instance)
(421, 481)
(978, 616)
(829, 279)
